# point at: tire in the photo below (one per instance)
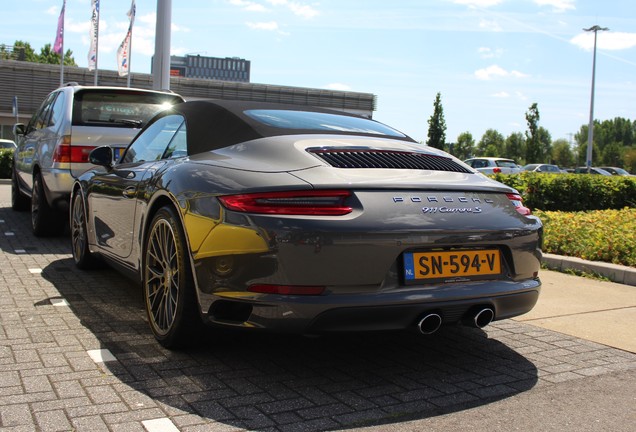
(168, 286)
(44, 220)
(19, 201)
(82, 256)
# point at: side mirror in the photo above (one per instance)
(19, 129)
(101, 156)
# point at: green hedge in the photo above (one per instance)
(602, 235)
(572, 192)
(6, 156)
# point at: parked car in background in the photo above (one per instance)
(543, 168)
(494, 165)
(7, 144)
(52, 149)
(258, 216)
(616, 171)
(593, 170)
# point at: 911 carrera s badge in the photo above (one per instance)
(433, 210)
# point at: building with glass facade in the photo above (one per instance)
(224, 69)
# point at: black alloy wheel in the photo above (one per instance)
(167, 282)
(82, 256)
(45, 221)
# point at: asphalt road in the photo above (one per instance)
(76, 354)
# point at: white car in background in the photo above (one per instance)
(494, 165)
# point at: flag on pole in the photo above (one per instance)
(93, 35)
(58, 46)
(123, 52)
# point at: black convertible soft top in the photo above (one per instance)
(216, 124)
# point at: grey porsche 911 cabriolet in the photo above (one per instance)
(298, 219)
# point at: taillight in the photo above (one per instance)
(518, 203)
(310, 203)
(287, 289)
(496, 170)
(66, 153)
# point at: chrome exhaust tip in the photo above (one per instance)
(482, 318)
(429, 324)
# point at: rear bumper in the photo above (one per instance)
(58, 184)
(372, 312)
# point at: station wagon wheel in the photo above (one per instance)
(44, 220)
(167, 282)
(82, 256)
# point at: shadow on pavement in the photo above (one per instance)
(282, 382)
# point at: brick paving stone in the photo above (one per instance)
(15, 415)
(52, 421)
(92, 423)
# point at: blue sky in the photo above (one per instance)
(489, 59)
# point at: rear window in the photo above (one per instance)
(117, 108)
(506, 164)
(325, 122)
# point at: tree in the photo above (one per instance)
(545, 144)
(49, 57)
(533, 145)
(562, 154)
(492, 143)
(437, 125)
(612, 154)
(22, 51)
(516, 147)
(465, 146)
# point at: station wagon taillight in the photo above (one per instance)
(66, 153)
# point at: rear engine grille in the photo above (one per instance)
(387, 159)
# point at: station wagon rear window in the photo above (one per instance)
(115, 108)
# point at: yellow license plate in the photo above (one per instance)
(451, 264)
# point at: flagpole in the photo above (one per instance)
(93, 51)
(129, 58)
(97, 46)
(58, 45)
(62, 65)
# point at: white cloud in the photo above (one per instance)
(501, 94)
(611, 41)
(488, 53)
(178, 28)
(338, 86)
(268, 26)
(52, 11)
(496, 71)
(557, 5)
(478, 3)
(249, 5)
(490, 25)
(298, 9)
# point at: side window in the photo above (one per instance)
(57, 111)
(41, 118)
(153, 142)
(178, 147)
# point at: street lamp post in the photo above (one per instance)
(590, 128)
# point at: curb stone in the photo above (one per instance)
(616, 273)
